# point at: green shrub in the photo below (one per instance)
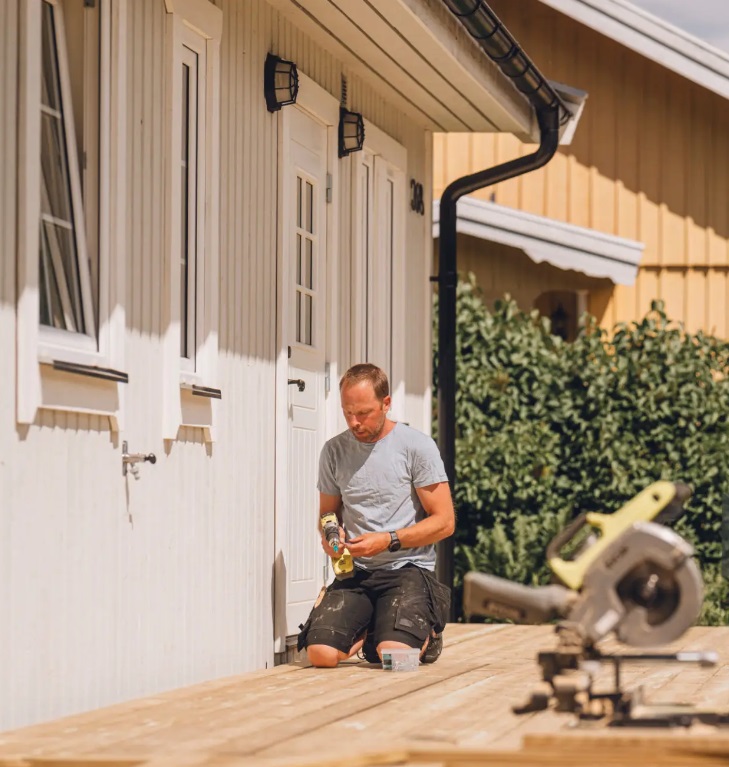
(547, 429)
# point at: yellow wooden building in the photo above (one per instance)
(637, 206)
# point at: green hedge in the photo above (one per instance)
(547, 429)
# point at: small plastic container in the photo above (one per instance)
(401, 659)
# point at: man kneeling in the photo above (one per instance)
(388, 487)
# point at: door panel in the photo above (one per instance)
(377, 267)
(303, 316)
(380, 294)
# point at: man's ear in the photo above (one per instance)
(386, 402)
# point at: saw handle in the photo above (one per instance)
(491, 596)
(673, 510)
(562, 538)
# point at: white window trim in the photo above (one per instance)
(389, 159)
(39, 385)
(191, 23)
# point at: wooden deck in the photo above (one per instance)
(454, 712)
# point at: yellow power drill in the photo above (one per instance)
(342, 565)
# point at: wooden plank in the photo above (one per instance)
(454, 712)
(225, 705)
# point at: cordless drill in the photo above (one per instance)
(342, 564)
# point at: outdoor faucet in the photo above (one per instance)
(130, 460)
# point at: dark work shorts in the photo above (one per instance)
(398, 604)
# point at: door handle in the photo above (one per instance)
(299, 382)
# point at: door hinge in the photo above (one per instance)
(327, 378)
(329, 187)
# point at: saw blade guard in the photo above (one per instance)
(645, 587)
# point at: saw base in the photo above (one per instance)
(569, 674)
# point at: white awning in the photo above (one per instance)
(565, 246)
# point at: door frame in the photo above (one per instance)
(324, 108)
(383, 148)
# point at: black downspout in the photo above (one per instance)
(551, 113)
(447, 282)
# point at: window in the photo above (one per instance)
(65, 277)
(68, 272)
(194, 29)
(306, 263)
(190, 295)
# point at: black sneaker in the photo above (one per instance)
(368, 651)
(434, 649)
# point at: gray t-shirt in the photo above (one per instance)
(377, 482)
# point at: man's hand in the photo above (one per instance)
(328, 549)
(368, 545)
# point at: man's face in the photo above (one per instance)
(364, 413)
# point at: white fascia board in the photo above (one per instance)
(417, 55)
(653, 38)
(565, 246)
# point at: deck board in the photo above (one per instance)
(297, 713)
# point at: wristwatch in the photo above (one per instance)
(395, 544)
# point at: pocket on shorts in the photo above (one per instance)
(412, 623)
(440, 601)
(412, 614)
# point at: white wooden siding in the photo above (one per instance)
(8, 438)
(114, 588)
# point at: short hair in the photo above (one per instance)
(367, 372)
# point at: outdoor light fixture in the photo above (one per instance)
(280, 82)
(351, 132)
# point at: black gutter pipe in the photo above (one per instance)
(551, 113)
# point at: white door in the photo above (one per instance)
(381, 267)
(377, 291)
(303, 318)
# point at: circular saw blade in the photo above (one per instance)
(660, 604)
(653, 588)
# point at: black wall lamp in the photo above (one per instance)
(351, 132)
(280, 82)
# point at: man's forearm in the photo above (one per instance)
(429, 530)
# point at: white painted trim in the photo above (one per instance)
(324, 108)
(317, 101)
(544, 239)
(387, 160)
(281, 393)
(654, 38)
(116, 322)
(385, 173)
(37, 385)
(380, 143)
(199, 15)
(180, 407)
(332, 405)
(426, 401)
(28, 385)
(358, 161)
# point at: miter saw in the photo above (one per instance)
(636, 580)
